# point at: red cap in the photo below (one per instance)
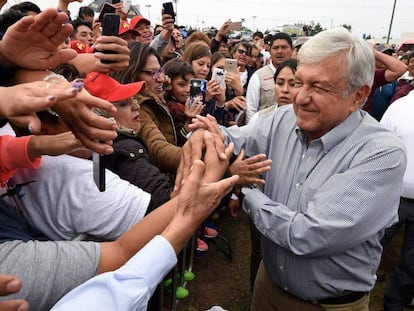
(124, 27)
(103, 86)
(79, 46)
(137, 19)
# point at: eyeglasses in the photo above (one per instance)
(126, 102)
(155, 73)
(240, 51)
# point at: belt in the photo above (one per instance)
(348, 298)
(408, 199)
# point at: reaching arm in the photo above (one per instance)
(394, 67)
(33, 42)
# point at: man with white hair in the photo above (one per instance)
(334, 185)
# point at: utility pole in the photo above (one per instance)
(392, 18)
(176, 12)
(148, 6)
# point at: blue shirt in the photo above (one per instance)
(128, 288)
(324, 208)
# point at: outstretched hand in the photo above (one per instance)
(20, 102)
(207, 146)
(33, 42)
(250, 169)
(95, 132)
(10, 284)
(196, 201)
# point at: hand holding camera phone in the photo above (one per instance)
(169, 9)
(230, 65)
(219, 75)
(198, 89)
(110, 27)
(235, 26)
(106, 8)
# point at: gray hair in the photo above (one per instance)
(358, 55)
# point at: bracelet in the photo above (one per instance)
(53, 77)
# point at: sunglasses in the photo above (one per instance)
(240, 51)
(155, 73)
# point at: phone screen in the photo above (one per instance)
(230, 65)
(110, 27)
(219, 75)
(169, 9)
(198, 89)
(106, 8)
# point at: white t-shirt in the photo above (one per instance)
(63, 200)
(399, 119)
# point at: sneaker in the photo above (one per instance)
(210, 230)
(201, 246)
(210, 233)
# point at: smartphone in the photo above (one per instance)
(235, 26)
(110, 27)
(198, 89)
(106, 8)
(169, 9)
(126, 5)
(230, 65)
(219, 75)
(99, 170)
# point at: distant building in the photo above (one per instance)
(96, 5)
(293, 30)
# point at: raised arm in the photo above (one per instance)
(394, 67)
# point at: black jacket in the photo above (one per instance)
(131, 161)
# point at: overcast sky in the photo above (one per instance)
(365, 16)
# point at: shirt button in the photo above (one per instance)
(141, 150)
(285, 288)
(132, 155)
(298, 185)
(281, 268)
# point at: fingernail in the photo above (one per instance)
(109, 150)
(52, 98)
(12, 286)
(30, 129)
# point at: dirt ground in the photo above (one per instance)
(224, 282)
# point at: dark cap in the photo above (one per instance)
(384, 48)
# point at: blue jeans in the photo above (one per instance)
(401, 289)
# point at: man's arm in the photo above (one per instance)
(131, 286)
(394, 67)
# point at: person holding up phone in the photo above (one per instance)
(199, 56)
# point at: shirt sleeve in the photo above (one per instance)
(14, 155)
(128, 288)
(252, 96)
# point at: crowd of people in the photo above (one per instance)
(310, 137)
